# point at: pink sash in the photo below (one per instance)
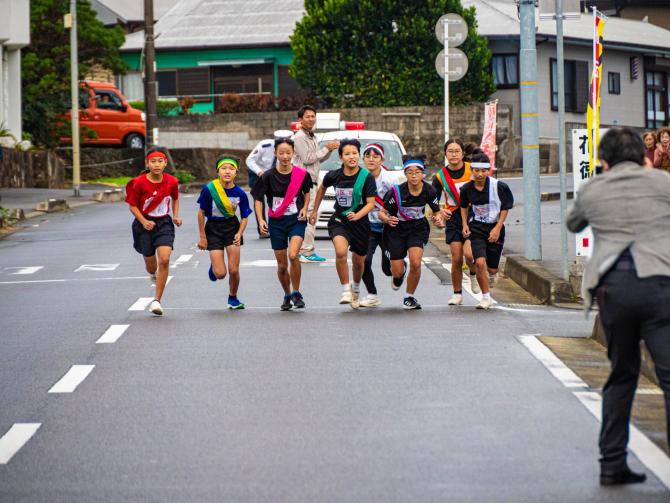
(297, 177)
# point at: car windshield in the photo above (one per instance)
(392, 155)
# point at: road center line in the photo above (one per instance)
(15, 438)
(68, 280)
(141, 304)
(112, 334)
(646, 451)
(73, 378)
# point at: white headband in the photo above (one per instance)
(480, 165)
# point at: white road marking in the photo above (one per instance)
(646, 451)
(649, 391)
(141, 304)
(168, 280)
(181, 260)
(557, 368)
(96, 267)
(24, 270)
(73, 378)
(15, 438)
(71, 279)
(466, 285)
(112, 334)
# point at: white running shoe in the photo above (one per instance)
(369, 301)
(156, 308)
(485, 303)
(455, 300)
(474, 284)
(355, 303)
(152, 278)
(347, 296)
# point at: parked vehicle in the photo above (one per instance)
(106, 111)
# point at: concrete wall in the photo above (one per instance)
(420, 128)
(39, 169)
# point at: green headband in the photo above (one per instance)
(227, 160)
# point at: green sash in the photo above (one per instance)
(357, 194)
(221, 199)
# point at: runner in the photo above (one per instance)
(373, 157)
(449, 180)
(286, 189)
(156, 193)
(487, 201)
(406, 229)
(349, 227)
(218, 202)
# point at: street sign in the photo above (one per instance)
(458, 64)
(458, 30)
(571, 9)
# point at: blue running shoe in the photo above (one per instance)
(211, 274)
(234, 303)
(311, 258)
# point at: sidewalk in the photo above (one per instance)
(27, 199)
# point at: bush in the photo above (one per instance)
(163, 107)
(241, 103)
(184, 176)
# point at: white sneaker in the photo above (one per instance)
(355, 303)
(152, 278)
(485, 303)
(369, 301)
(347, 297)
(455, 300)
(474, 284)
(156, 308)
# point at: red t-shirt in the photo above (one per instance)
(153, 199)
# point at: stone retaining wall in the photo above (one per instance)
(38, 169)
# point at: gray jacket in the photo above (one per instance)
(627, 206)
(308, 155)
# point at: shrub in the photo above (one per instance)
(184, 176)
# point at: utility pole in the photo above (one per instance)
(74, 94)
(149, 72)
(529, 131)
(560, 83)
(446, 78)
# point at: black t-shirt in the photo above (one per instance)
(412, 206)
(273, 185)
(478, 201)
(344, 188)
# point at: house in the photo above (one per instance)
(128, 13)
(14, 35)
(653, 11)
(207, 48)
(636, 67)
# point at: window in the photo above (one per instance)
(505, 68)
(244, 79)
(167, 83)
(657, 98)
(576, 81)
(194, 82)
(108, 100)
(614, 83)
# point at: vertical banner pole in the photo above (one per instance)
(446, 79)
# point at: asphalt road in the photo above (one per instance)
(329, 404)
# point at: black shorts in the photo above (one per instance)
(491, 251)
(454, 229)
(221, 232)
(406, 235)
(284, 228)
(146, 242)
(357, 233)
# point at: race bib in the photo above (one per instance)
(344, 197)
(413, 212)
(292, 208)
(481, 212)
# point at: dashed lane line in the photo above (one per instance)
(73, 378)
(112, 334)
(182, 259)
(96, 267)
(23, 270)
(141, 304)
(15, 438)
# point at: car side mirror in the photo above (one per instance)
(124, 108)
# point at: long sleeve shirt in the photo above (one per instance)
(307, 154)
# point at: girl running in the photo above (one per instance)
(286, 188)
(349, 227)
(406, 229)
(218, 201)
(373, 157)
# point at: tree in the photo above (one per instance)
(382, 53)
(46, 62)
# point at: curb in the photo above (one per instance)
(555, 196)
(647, 365)
(535, 279)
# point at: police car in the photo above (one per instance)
(393, 152)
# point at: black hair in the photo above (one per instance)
(457, 141)
(479, 157)
(471, 149)
(304, 109)
(621, 144)
(418, 157)
(349, 141)
(288, 141)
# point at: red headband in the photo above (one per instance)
(156, 153)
